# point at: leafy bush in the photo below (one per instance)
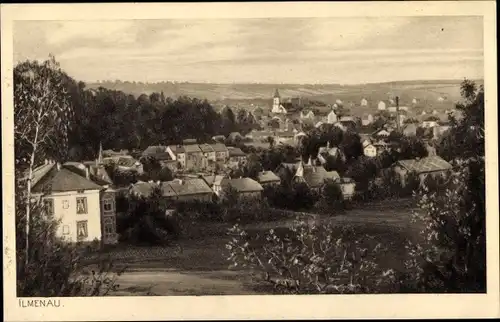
(308, 258)
(146, 222)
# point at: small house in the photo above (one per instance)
(221, 151)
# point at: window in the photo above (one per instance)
(108, 205)
(49, 206)
(82, 230)
(65, 230)
(65, 204)
(109, 227)
(81, 205)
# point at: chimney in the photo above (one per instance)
(328, 145)
(58, 165)
(46, 161)
(87, 173)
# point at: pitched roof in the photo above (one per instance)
(314, 176)
(205, 148)
(190, 187)
(332, 175)
(176, 149)
(236, 152)
(97, 174)
(189, 141)
(59, 180)
(142, 188)
(219, 147)
(192, 148)
(267, 176)
(213, 179)
(244, 184)
(167, 190)
(154, 149)
(423, 165)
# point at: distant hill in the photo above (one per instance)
(427, 92)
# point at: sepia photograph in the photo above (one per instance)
(154, 157)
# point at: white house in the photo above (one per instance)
(381, 106)
(414, 101)
(364, 102)
(332, 117)
(86, 210)
(338, 102)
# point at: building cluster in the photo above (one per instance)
(82, 194)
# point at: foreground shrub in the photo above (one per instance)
(309, 258)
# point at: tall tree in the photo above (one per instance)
(42, 114)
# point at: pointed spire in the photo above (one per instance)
(99, 157)
(276, 93)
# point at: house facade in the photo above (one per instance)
(86, 210)
(236, 155)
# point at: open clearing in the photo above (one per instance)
(199, 267)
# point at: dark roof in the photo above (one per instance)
(154, 149)
(177, 149)
(189, 141)
(267, 176)
(213, 179)
(315, 176)
(59, 180)
(244, 185)
(428, 164)
(236, 152)
(97, 174)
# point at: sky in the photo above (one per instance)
(338, 50)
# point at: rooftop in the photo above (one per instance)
(190, 187)
(206, 148)
(244, 185)
(50, 178)
(267, 176)
(423, 165)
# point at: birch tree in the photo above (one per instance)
(42, 114)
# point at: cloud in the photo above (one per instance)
(105, 31)
(258, 50)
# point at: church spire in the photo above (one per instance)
(99, 156)
(276, 93)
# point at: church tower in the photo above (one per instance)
(276, 102)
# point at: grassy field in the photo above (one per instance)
(244, 95)
(199, 266)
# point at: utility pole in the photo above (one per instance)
(397, 115)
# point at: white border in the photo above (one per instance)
(242, 307)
